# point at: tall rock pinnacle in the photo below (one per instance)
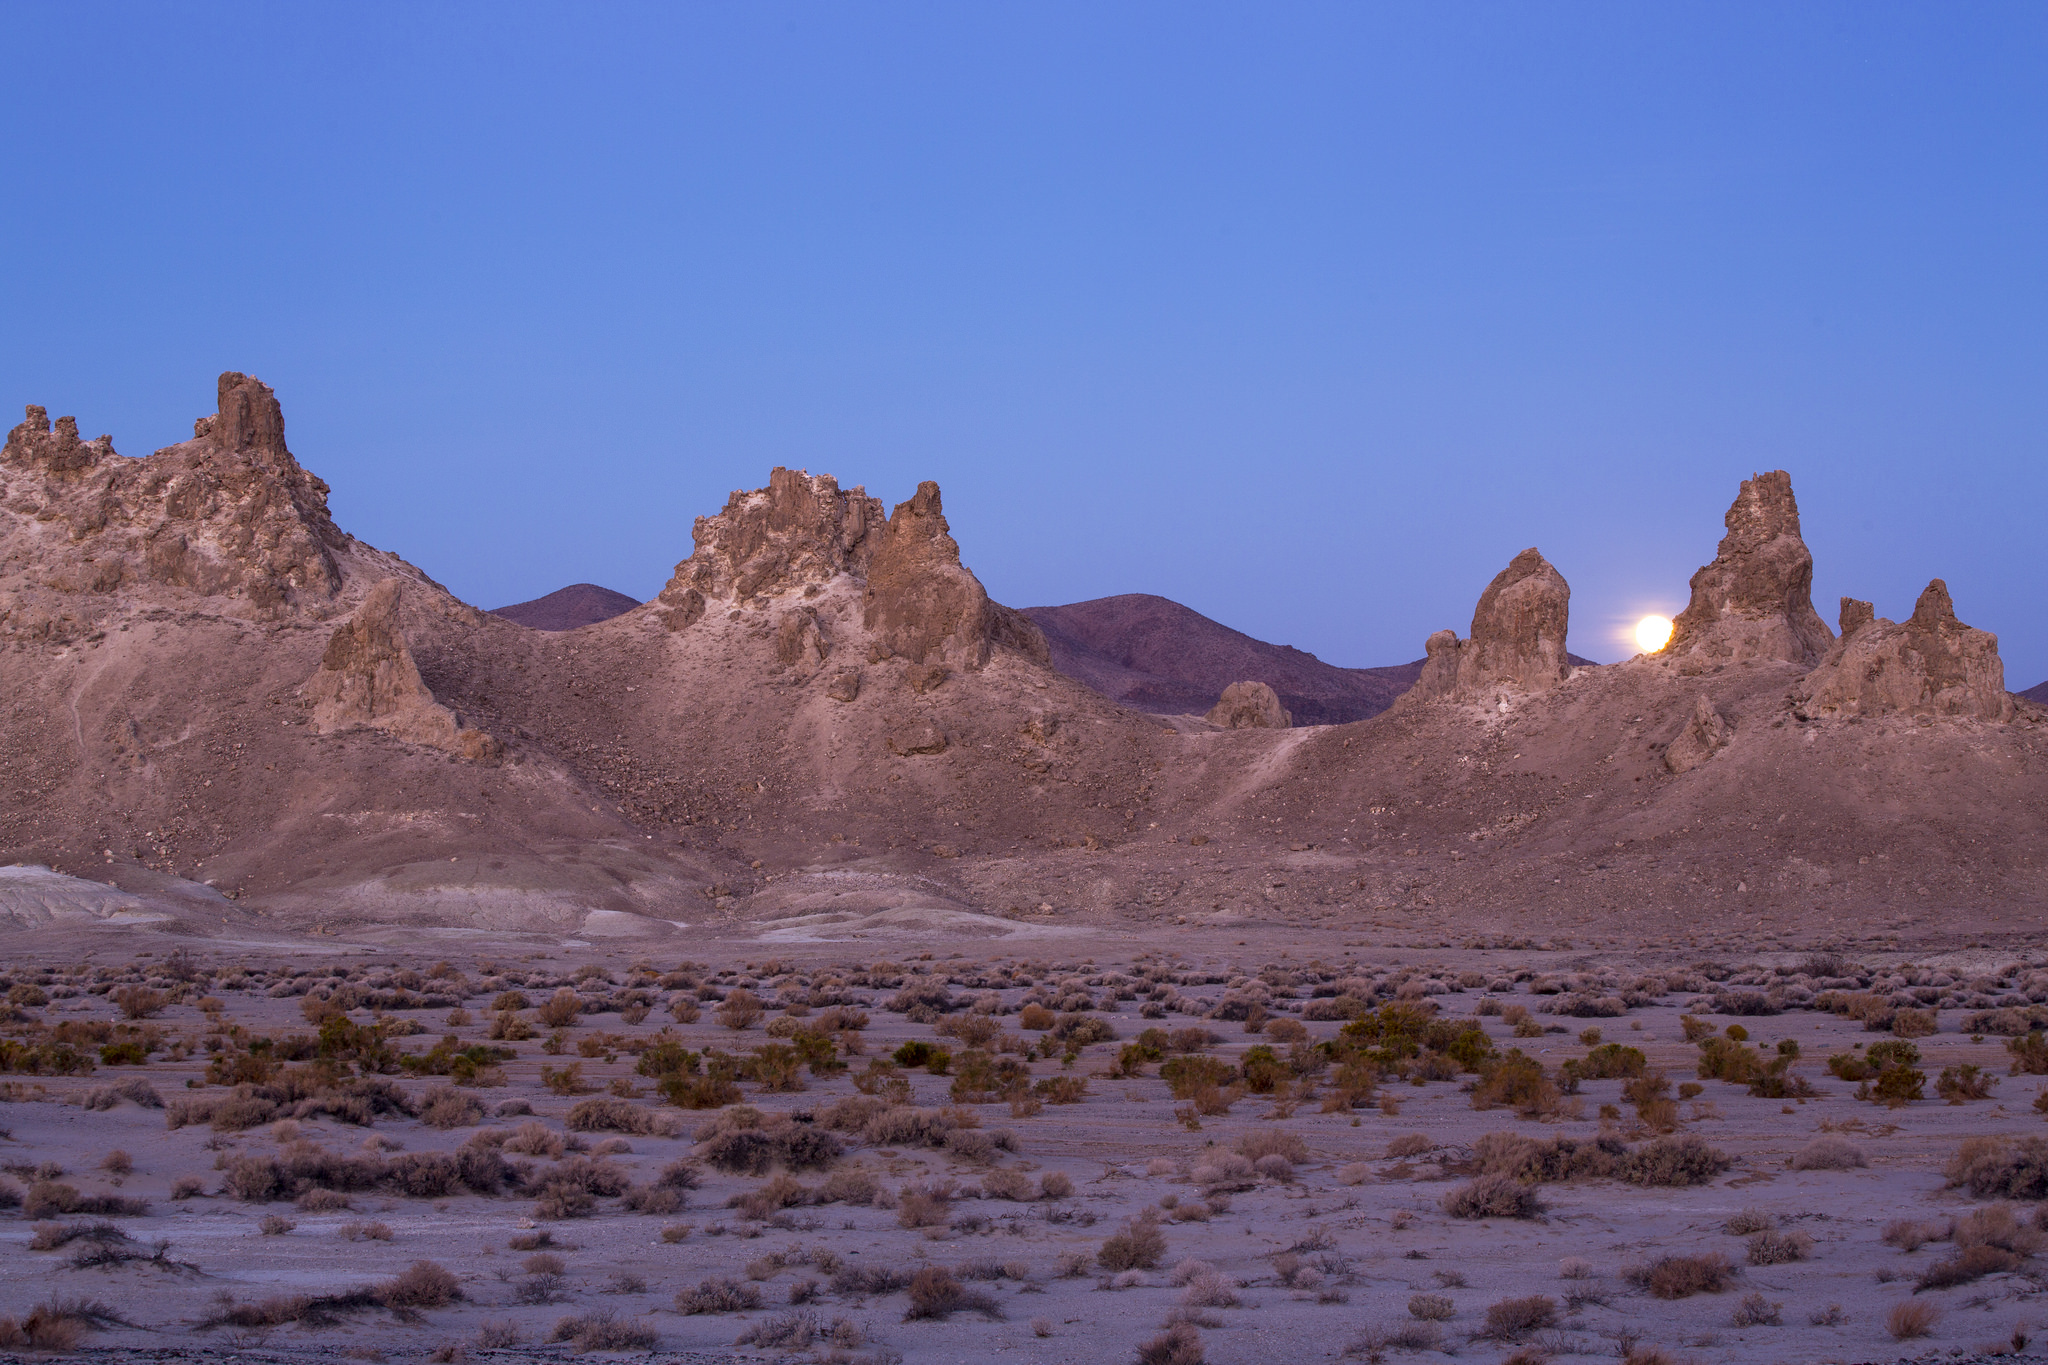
(1755, 601)
(1517, 642)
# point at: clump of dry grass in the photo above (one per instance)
(1432, 1308)
(1910, 1234)
(1179, 1344)
(1757, 1311)
(1911, 1319)
(1681, 1160)
(1777, 1248)
(1748, 1221)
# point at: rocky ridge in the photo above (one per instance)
(785, 755)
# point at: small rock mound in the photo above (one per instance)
(1704, 735)
(1755, 601)
(1249, 706)
(1930, 665)
(1517, 642)
(367, 678)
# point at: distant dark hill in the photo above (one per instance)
(579, 604)
(1157, 655)
(2037, 693)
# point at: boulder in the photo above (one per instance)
(1517, 642)
(1929, 665)
(1704, 735)
(1249, 706)
(1755, 601)
(367, 678)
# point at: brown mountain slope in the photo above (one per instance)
(1153, 654)
(579, 604)
(2037, 694)
(823, 723)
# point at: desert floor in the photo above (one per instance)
(1318, 1252)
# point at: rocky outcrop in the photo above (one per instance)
(923, 605)
(1704, 735)
(1929, 665)
(1517, 642)
(228, 514)
(367, 678)
(1249, 706)
(799, 532)
(1755, 601)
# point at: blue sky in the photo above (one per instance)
(1307, 316)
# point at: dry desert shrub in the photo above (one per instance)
(1910, 1234)
(1777, 1248)
(860, 1281)
(1829, 1153)
(621, 1116)
(849, 1185)
(561, 1009)
(446, 1107)
(1757, 1311)
(1513, 1318)
(1493, 1196)
(1432, 1308)
(423, 1284)
(1179, 1344)
(322, 1201)
(1997, 1226)
(1409, 1144)
(1209, 1289)
(1911, 1319)
(791, 1331)
(924, 1204)
(718, 1294)
(276, 1225)
(1678, 1277)
(2001, 1168)
(1354, 1173)
(1223, 1170)
(1006, 1183)
(1140, 1246)
(603, 1330)
(1682, 1160)
(936, 1293)
(1749, 1220)
(1574, 1268)
(1273, 1142)
(365, 1232)
(1055, 1185)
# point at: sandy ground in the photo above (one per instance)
(1319, 1261)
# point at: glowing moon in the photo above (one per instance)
(1652, 632)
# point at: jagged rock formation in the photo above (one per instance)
(1517, 641)
(1931, 665)
(367, 678)
(1705, 735)
(1755, 601)
(798, 533)
(1249, 706)
(228, 514)
(923, 604)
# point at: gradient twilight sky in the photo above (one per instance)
(1308, 316)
